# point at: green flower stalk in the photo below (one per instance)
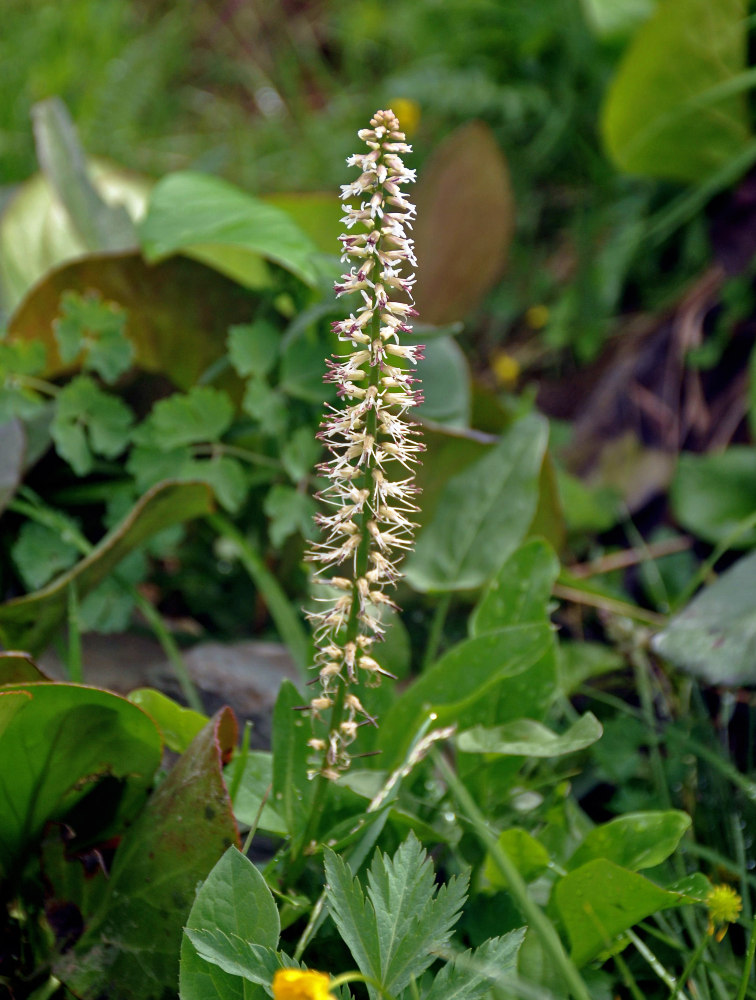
(371, 446)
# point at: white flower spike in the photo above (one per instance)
(371, 445)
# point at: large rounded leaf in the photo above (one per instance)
(57, 744)
(675, 109)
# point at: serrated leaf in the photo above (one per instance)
(202, 414)
(98, 330)
(414, 918)
(29, 622)
(300, 453)
(41, 553)
(88, 422)
(253, 347)
(236, 956)
(290, 511)
(266, 405)
(354, 917)
(469, 976)
(483, 513)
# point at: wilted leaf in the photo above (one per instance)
(465, 220)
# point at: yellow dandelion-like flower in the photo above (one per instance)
(724, 908)
(301, 984)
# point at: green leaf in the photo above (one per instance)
(100, 226)
(235, 901)
(292, 790)
(300, 453)
(712, 495)
(635, 840)
(528, 855)
(290, 511)
(57, 745)
(253, 347)
(98, 330)
(205, 216)
(251, 965)
(199, 415)
(445, 379)
(30, 622)
(178, 725)
(520, 591)
(186, 826)
(617, 19)
(483, 513)
(225, 475)
(255, 785)
(12, 455)
(89, 422)
(41, 553)
(714, 637)
(528, 738)
(19, 668)
(461, 682)
(471, 975)
(394, 934)
(676, 107)
(600, 900)
(108, 608)
(266, 405)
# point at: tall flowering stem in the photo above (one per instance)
(371, 446)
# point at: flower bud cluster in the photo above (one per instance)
(371, 446)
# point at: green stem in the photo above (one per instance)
(170, 648)
(676, 987)
(285, 618)
(748, 963)
(357, 977)
(436, 630)
(539, 922)
(74, 663)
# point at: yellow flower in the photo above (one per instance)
(301, 984)
(408, 112)
(506, 369)
(724, 908)
(537, 317)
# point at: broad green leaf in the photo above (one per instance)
(178, 725)
(600, 900)
(712, 495)
(250, 966)
(527, 854)
(714, 637)
(520, 591)
(30, 622)
(185, 828)
(676, 107)
(471, 975)
(202, 215)
(19, 668)
(317, 213)
(463, 681)
(60, 743)
(528, 738)
(483, 513)
(635, 840)
(100, 226)
(201, 414)
(465, 221)
(292, 790)
(256, 785)
(253, 347)
(615, 19)
(445, 382)
(170, 334)
(233, 900)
